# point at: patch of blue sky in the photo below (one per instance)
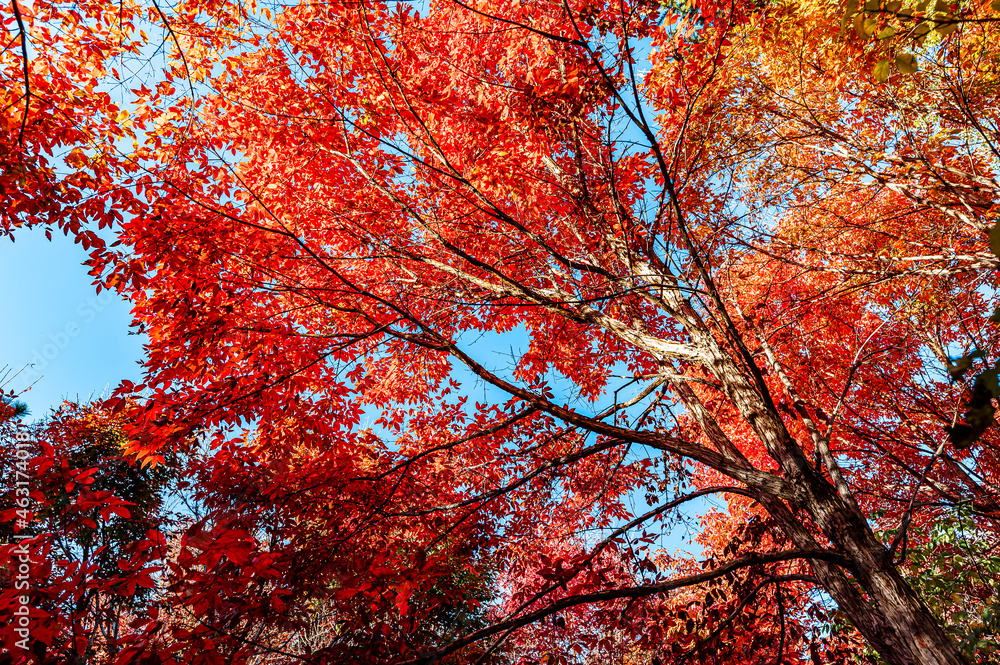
(64, 340)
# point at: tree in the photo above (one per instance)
(91, 531)
(775, 233)
(282, 562)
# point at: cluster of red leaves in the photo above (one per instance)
(83, 551)
(330, 199)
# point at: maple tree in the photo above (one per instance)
(735, 250)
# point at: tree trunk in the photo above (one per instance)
(890, 598)
(889, 615)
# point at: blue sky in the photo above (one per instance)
(52, 318)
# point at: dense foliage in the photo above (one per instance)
(437, 296)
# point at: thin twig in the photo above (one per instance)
(900, 540)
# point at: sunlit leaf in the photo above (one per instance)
(906, 63)
(882, 70)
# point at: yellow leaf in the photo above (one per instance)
(906, 63)
(882, 70)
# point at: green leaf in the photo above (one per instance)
(882, 70)
(850, 11)
(920, 32)
(886, 33)
(995, 5)
(963, 364)
(991, 382)
(948, 28)
(906, 63)
(995, 240)
(859, 25)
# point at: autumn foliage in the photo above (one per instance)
(458, 313)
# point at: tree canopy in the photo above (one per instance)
(456, 310)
